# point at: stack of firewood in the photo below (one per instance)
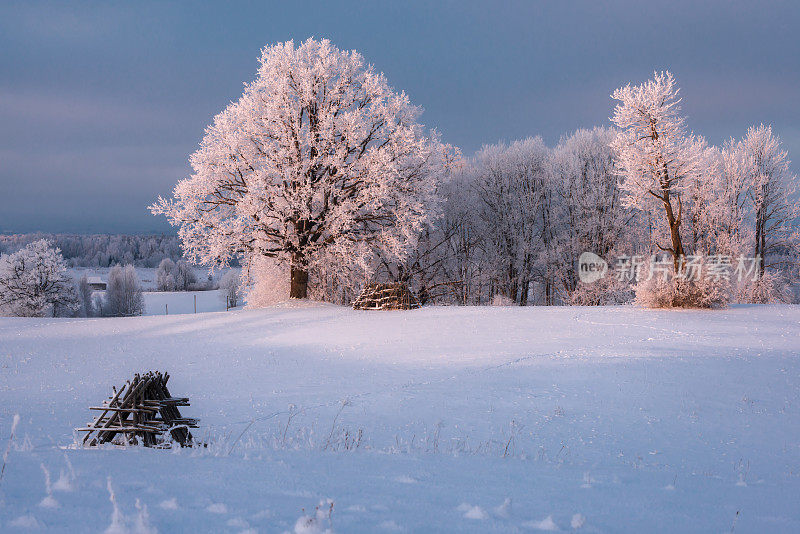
(140, 413)
(395, 296)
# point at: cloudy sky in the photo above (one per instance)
(101, 103)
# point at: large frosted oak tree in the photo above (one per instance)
(318, 157)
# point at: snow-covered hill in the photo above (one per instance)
(438, 419)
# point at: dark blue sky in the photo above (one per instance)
(101, 103)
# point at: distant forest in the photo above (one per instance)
(103, 250)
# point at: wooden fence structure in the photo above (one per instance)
(395, 296)
(140, 413)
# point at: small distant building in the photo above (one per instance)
(96, 284)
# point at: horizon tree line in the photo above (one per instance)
(321, 174)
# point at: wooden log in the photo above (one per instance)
(167, 400)
(129, 424)
(178, 420)
(171, 412)
(103, 424)
(115, 409)
(137, 385)
(118, 429)
(116, 396)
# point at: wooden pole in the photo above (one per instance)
(195, 303)
(166, 308)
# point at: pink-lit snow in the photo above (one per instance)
(445, 419)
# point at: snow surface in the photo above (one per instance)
(179, 302)
(440, 419)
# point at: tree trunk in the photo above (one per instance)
(675, 233)
(523, 298)
(548, 300)
(299, 287)
(760, 241)
(299, 267)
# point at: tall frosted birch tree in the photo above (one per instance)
(655, 157)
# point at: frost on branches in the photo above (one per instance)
(590, 216)
(171, 276)
(669, 176)
(318, 164)
(518, 216)
(230, 289)
(512, 198)
(758, 192)
(655, 157)
(735, 201)
(123, 296)
(34, 283)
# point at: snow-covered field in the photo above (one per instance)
(176, 302)
(439, 419)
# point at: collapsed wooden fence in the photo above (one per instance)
(395, 296)
(140, 412)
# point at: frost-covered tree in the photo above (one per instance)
(763, 167)
(123, 293)
(758, 213)
(165, 275)
(465, 266)
(34, 282)
(423, 268)
(589, 215)
(85, 297)
(230, 288)
(171, 276)
(514, 211)
(518, 216)
(265, 282)
(709, 222)
(319, 160)
(102, 250)
(655, 156)
(185, 278)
